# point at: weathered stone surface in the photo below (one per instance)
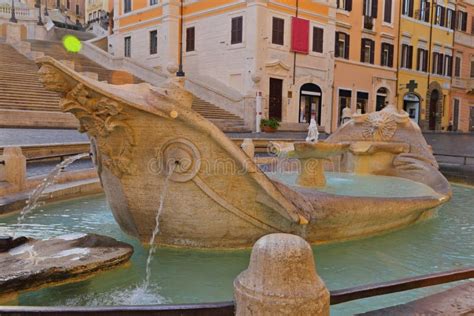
(281, 280)
(39, 262)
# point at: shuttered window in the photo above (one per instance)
(407, 56)
(127, 46)
(387, 11)
(278, 31)
(367, 51)
(386, 58)
(342, 45)
(237, 30)
(190, 39)
(318, 38)
(457, 67)
(422, 60)
(344, 5)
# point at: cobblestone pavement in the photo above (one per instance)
(30, 136)
(443, 143)
(44, 167)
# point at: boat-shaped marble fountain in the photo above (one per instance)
(217, 196)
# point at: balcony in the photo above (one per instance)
(368, 23)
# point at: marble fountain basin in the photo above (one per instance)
(217, 196)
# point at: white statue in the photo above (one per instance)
(313, 133)
(346, 114)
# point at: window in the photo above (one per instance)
(153, 2)
(386, 58)
(236, 30)
(461, 21)
(344, 5)
(472, 69)
(448, 66)
(472, 25)
(278, 31)
(440, 15)
(407, 56)
(450, 19)
(190, 39)
(318, 36)
(457, 67)
(90, 16)
(77, 9)
(422, 60)
(407, 8)
(387, 11)
(58, 3)
(370, 8)
(68, 4)
(127, 46)
(127, 6)
(424, 14)
(342, 45)
(153, 42)
(438, 63)
(367, 51)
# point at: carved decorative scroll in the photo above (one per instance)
(103, 119)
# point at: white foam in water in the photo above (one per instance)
(133, 295)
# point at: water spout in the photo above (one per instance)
(153, 246)
(50, 179)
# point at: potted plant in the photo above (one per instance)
(270, 125)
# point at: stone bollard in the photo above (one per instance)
(15, 167)
(248, 147)
(281, 280)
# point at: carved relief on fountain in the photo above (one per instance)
(102, 118)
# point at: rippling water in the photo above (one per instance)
(188, 276)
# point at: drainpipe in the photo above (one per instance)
(430, 52)
(294, 53)
(397, 82)
(180, 72)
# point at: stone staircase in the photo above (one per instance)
(223, 119)
(20, 88)
(82, 63)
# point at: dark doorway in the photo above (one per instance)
(411, 104)
(434, 98)
(310, 103)
(471, 119)
(456, 115)
(275, 99)
(382, 94)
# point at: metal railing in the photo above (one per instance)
(227, 308)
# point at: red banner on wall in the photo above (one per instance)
(299, 35)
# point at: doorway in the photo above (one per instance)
(382, 94)
(275, 98)
(471, 119)
(455, 126)
(310, 103)
(411, 105)
(434, 98)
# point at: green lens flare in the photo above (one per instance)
(72, 43)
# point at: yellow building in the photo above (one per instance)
(425, 61)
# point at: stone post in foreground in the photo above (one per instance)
(15, 167)
(281, 280)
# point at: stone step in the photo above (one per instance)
(20, 89)
(29, 98)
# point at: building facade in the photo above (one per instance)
(252, 47)
(366, 53)
(310, 58)
(462, 90)
(425, 61)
